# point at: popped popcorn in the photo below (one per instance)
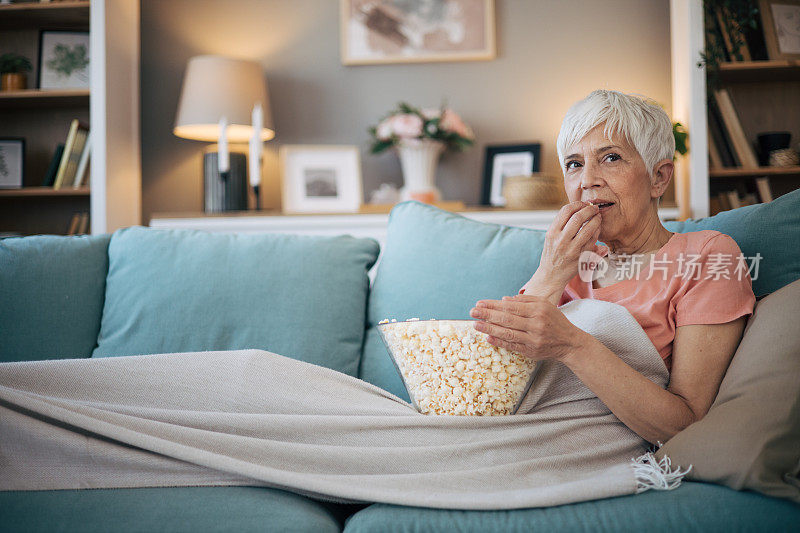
(450, 368)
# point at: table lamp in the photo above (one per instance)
(225, 100)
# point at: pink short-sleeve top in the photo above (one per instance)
(699, 277)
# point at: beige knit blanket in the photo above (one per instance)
(251, 417)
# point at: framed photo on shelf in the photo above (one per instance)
(12, 162)
(63, 59)
(386, 31)
(781, 22)
(320, 178)
(502, 161)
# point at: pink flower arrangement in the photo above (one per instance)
(405, 125)
(408, 122)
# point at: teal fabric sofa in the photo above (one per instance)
(143, 291)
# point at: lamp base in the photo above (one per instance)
(228, 192)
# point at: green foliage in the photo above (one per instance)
(737, 15)
(14, 63)
(68, 60)
(380, 146)
(681, 136)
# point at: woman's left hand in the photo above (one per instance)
(529, 325)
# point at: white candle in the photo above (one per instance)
(258, 120)
(256, 146)
(254, 162)
(222, 148)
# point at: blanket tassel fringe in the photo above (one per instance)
(656, 475)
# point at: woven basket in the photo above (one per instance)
(784, 158)
(531, 191)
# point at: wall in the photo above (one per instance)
(549, 54)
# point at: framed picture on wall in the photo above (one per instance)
(63, 59)
(12, 162)
(502, 161)
(320, 179)
(386, 31)
(781, 22)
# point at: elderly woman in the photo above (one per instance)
(616, 154)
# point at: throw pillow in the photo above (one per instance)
(750, 438)
(182, 291)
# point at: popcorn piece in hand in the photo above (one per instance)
(452, 369)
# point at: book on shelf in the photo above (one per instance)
(733, 37)
(75, 156)
(764, 190)
(76, 139)
(62, 166)
(80, 173)
(733, 199)
(748, 199)
(74, 222)
(79, 223)
(724, 201)
(719, 138)
(741, 146)
(83, 226)
(714, 206)
(50, 175)
(727, 200)
(714, 37)
(714, 157)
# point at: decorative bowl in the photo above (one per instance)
(449, 368)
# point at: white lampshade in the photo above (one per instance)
(216, 87)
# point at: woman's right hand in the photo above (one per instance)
(575, 229)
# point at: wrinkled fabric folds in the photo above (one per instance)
(251, 417)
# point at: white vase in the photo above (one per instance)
(419, 159)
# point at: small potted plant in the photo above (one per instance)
(420, 136)
(12, 72)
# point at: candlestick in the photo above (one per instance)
(222, 147)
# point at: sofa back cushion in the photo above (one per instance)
(51, 296)
(437, 265)
(184, 290)
(771, 229)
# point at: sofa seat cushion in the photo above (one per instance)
(51, 296)
(771, 229)
(691, 507)
(183, 291)
(173, 509)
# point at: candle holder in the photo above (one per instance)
(226, 191)
(225, 100)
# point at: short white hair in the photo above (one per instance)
(640, 120)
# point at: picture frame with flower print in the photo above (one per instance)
(320, 179)
(502, 161)
(12, 162)
(64, 59)
(375, 32)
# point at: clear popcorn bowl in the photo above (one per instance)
(450, 368)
